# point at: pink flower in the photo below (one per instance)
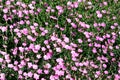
(43, 49)
(25, 31)
(15, 68)
(80, 16)
(111, 54)
(73, 25)
(99, 15)
(39, 71)
(20, 72)
(86, 63)
(23, 62)
(74, 68)
(21, 22)
(29, 37)
(8, 2)
(38, 56)
(66, 40)
(59, 60)
(117, 77)
(4, 29)
(105, 3)
(85, 71)
(74, 54)
(58, 7)
(10, 65)
(46, 42)
(36, 76)
(15, 62)
(80, 64)
(59, 72)
(53, 38)
(87, 26)
(31, 46)
(46, 71)
(35, 66)
(107, 35)
(80, 50)
(1, 60)
(30, 65)
(115, 24)
(45, 31)
(104, 11)
(80, 40)
(5, 10)
(2, 76)
(52, 77)
(69, 3)
(47, 56)
(104, 65)
(110, 47)
(30, 74)
(106, 72)
(47, 65)
(53, 17)
(103, 24)
(21, 49)
(37, 47)
(79, 0)
(112, 27)
(7, 57)
(69, 20)
(35, 24)
(119, 71)
(98, 73)
(66, 47)
(31, 6)
(75, 4)
(117, 47)
(96, 76)
(43, 34)
(58, 49)
(94, 50)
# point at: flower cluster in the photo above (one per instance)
(59, 40)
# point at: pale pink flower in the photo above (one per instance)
(39, 71)
(73, 25)
(30, 74)
(35, 66)
(105, 3)
(36, 76)
(37, 47)
(5, 10)
(1, 60)
(21, 49)
(99, 15)
(66, 40)
(69, 3)
(94, 50)
(38, 56)
(104, 65)
(35, 24)
(46, 71)
(106, 72)
(10, 65)
(58, 49)
(80, 40)
(30, 65)
(69, 20)
(2, 76)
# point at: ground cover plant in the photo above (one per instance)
(59, 39)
